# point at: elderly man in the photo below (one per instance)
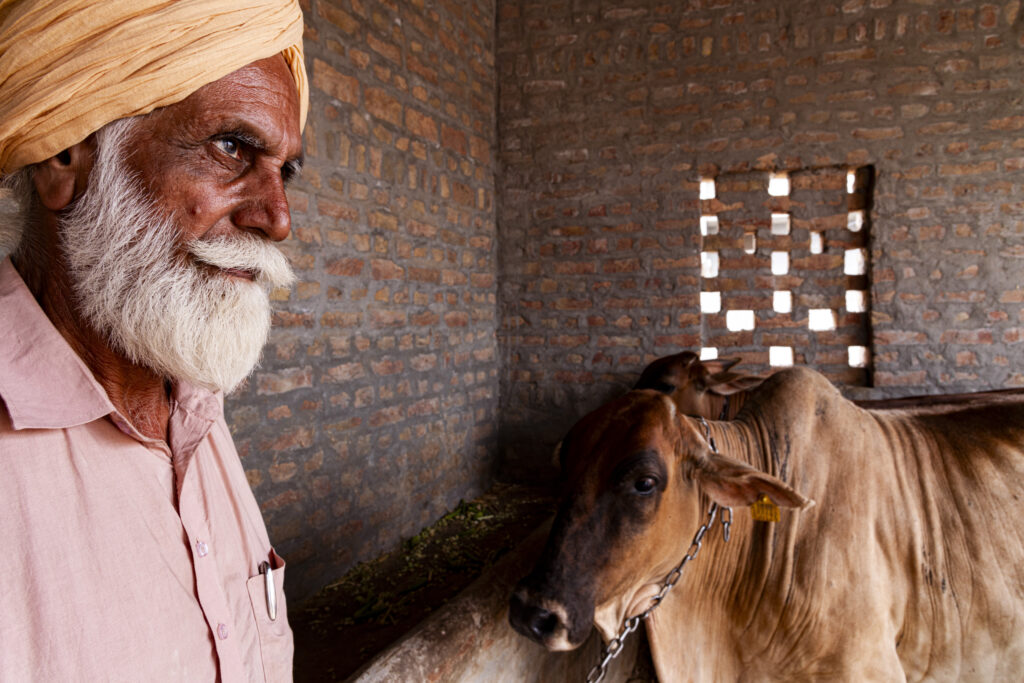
(146, 145)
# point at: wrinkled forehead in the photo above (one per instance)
(640, 421)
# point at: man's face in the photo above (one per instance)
(170, 246)
(217, 161)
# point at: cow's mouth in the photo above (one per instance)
(542, 620)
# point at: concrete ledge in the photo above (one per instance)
(470, 640)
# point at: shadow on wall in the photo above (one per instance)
(527, 445)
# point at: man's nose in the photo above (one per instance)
(266, 205)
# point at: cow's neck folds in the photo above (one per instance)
(718, 598)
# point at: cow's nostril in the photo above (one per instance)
(532, 620)
(543, 623)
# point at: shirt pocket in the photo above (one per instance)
(276, 646)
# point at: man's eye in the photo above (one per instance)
(229, 146)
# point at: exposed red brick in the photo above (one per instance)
(339, 18)
(284, 381)
(387, 366)
(421, 124)
(456, 319)
(385, 49)
(453, 139)
(334, 83)
(969, 169)
(346, 267)
(382, 105)
(327, 207)
(966, 337)
(383, 269)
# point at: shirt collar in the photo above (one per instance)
(45, 385)
(43, 382)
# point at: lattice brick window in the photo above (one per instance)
(784, 270)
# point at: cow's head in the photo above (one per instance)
(697, 386)
(634, 471)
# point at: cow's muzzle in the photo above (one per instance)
(541, 620)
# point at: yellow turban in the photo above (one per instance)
(69, 67)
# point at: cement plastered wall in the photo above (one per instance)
(611, 112)
(374, 410)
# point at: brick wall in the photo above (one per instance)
(610, 113)
(375, 407)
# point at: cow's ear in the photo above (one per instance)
(727, 383)
(734, 484)
(716, 365)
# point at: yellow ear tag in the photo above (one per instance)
(764, 510)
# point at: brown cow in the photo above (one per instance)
(907, 568)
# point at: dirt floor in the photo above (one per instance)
(341, 628)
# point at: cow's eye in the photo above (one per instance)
(645, 485)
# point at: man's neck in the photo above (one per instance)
(136, 392)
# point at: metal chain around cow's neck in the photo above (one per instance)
(614, 647)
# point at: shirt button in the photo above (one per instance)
(222, 631)
(202, 549)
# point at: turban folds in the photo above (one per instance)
(69, 67)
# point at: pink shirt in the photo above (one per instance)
(124, 557)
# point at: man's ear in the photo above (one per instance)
(734, 484)
(727, 383)
(62, 177)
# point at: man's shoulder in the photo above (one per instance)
(43, 382)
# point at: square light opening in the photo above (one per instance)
(782, 302)
(780, 356)
(709, 225)
(778, 185)
(710, 302)
(739, 321)
(780, 262)
(855, 261)
(780, 223)
(856, 301)
(817, 243)
(821, 319)
(855, 221)
(709, 264)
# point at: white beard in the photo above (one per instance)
(16, 194)
(157, 307)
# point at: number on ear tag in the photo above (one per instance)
(764, 510)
